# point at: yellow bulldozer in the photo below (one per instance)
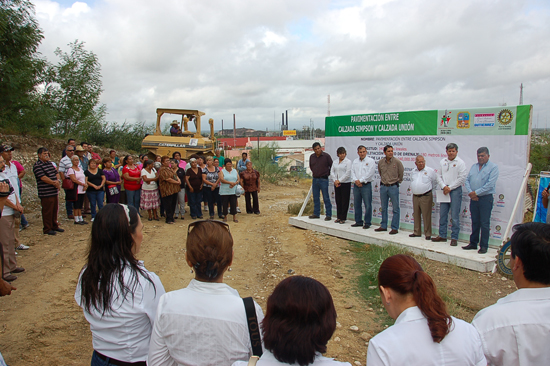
(181, 140)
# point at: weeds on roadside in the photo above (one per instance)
(369, 258)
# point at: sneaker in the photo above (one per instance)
(22, 247)
(238, 210)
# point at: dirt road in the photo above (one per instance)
(42, 325)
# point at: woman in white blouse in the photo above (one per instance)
(204, 323)
(424, 333)
(340, 172)
(118, 295)
(299, 321)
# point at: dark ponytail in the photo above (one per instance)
(404, 275)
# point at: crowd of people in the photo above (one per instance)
(452, 175)
(134, 321)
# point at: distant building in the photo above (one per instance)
(242, 132)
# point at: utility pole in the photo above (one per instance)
(521, 94)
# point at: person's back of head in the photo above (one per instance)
(404, 275)
(531, 243)
(209, 249)
(299, 321)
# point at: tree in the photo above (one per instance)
(73, 89)
(20, 65)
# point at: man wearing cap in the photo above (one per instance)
(175, 129)
(64, 165)
(48, 185)
(12, 173)
(7, 225)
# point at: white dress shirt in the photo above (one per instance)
(452, 173)
(202, 324)
(341, 170)
(124, 332)
(423, 180)
(363, 170)
(268, 359)
(10, 173)
(409, 342)
(516, 330)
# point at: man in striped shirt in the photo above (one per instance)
(48, 185)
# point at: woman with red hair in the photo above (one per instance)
(424, 333)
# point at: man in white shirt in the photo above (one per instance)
(516, 330)
(423, 181)
(7, 227)
(362, 175)
(450, 177)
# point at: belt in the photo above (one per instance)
(322, 177)
(112, 361)
(364, 183)
(389, 185)
(424, 194)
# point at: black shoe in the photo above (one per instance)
(470, 247)
(59, 230)
(482, 250)
(356, 225)
(328, 218)
(413, 235)
(51, 232)
(366, 226)
(313, 216)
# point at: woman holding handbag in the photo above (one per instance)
(204, 323)
(112, 181)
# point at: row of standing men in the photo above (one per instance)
(479, 182)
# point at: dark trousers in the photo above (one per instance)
(212, 197)
(49, 213)
(170, 206)
(481, 220)
(254, 206)
(68, 204)
(341, 195)
(195, 200)
(229, 200)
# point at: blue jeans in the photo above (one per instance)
(454, 206)
(362, 195)
(320, 185)
(481, 220)
(390, 193)
(133, 198)
(95, 198)
(195, 199)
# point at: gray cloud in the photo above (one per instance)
(257, 59)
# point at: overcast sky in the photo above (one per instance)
(257, 59)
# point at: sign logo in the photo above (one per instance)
(289, 132)
(505, 117)
(463, 120)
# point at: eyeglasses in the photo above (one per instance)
(194, 223)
